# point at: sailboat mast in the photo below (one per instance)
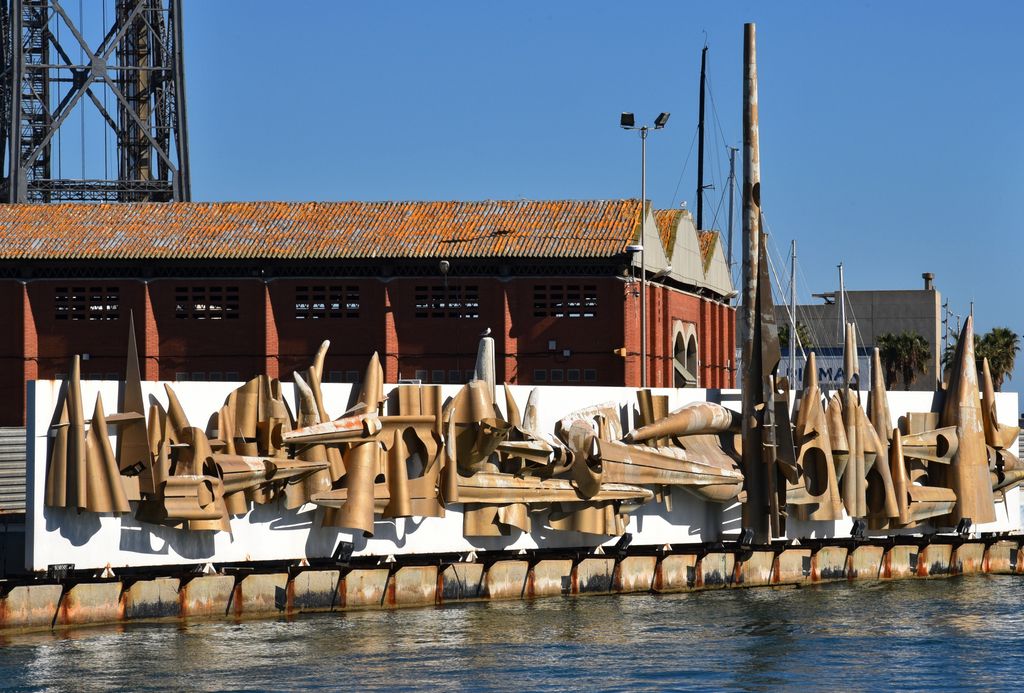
(732, 201)
(842, 304)
(792, 317)
(700, 141)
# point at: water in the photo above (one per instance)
(948, 634)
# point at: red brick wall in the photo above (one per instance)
(104, 340)
(712, 321)
(201, 347)
(17, 340)
(354, 333)
(269, 336)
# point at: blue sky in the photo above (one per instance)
(889, 131)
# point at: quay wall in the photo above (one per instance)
(275, 591)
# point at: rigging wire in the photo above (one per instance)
(720, 132)
(675, 194)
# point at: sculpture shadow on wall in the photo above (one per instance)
(77, 528)
(321, 541)
(160, 540)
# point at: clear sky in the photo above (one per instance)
(890, 131)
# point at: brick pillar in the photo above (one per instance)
(706, 342)
(151, 337)
(391, 349)
(509, 342)
(30, 348)
(631, 333)
(271, 343)
(733, 366)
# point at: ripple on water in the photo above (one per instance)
(957, 633)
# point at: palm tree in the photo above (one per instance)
(803, 336)
(905, 354)
(1000, 346)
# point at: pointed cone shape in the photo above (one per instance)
(57, 473)
(878, 400)
(308, 414)
(851, 366)
(175, 414)
(512, 409)
(316, 377)
(76, 438)
(968, 474)
(996, 436)
(811, 372)
(372, 392)
(530, 413)
(132, 443)
(900, 480)
(104, 490)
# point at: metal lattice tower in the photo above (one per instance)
(97, 114)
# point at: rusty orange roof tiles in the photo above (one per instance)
(707, 241)
(668, 222)
(325, 230)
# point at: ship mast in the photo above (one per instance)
(700, 140)
(769, 456)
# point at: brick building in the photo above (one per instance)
(229, 290)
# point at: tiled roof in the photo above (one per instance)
(668, 222)
(707, 246)
(326, 230)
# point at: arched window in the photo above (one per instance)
(684, 362)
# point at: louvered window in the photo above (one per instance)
(564, 301)
(452, 301)
(322, 301)
(87, 303)
(206, 302)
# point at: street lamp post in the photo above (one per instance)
(628, 122)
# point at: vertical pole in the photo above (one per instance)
(792, 317)
(756, 512)
(751, 186)
(16, 172)
(643, 262)
(732, 202)
(842, 304)
(182, 177)
(700, 142)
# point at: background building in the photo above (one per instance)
(224, 291)
(875, 313)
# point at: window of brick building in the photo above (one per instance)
(452, 301)
(87, 303)
(590, 375)
(316, 302)
(540, 375)
(206, 302)
(564, 301)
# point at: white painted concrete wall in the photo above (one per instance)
(269, 532)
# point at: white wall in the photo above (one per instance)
(269, 532)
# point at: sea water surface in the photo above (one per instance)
(946, 633)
